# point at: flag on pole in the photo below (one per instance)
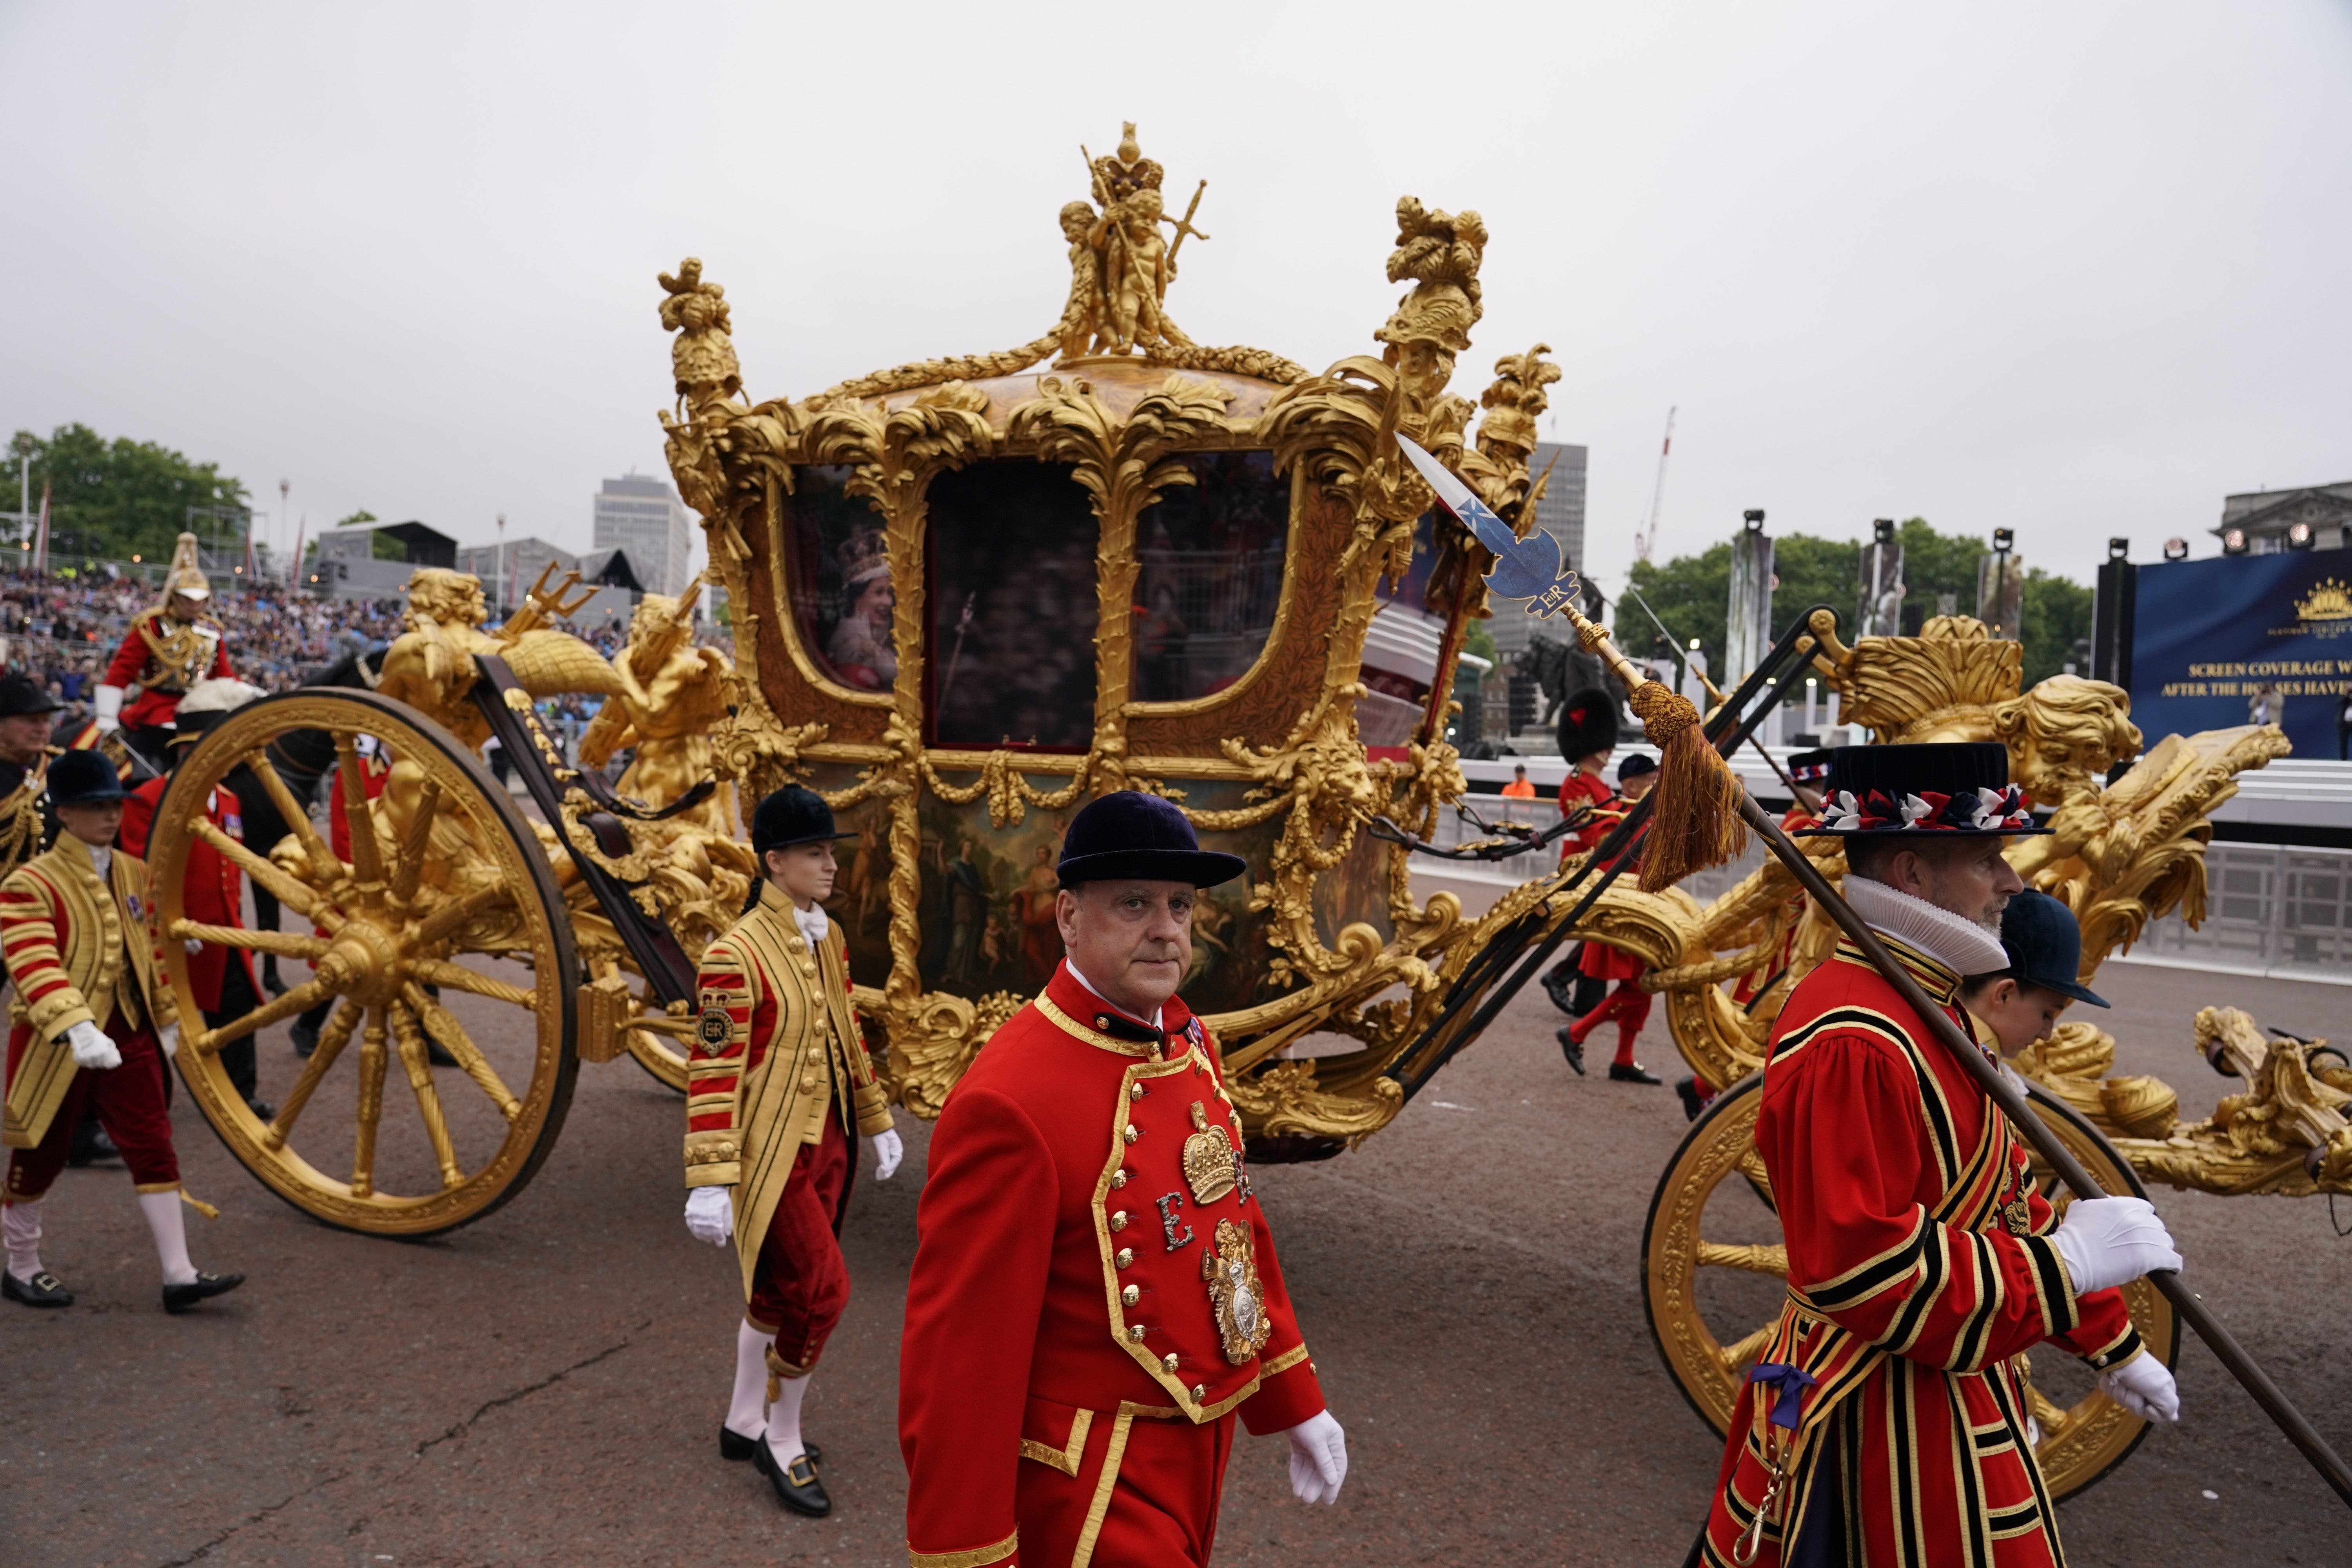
(41, 534)
(294, 573)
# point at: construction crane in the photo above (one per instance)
(1644, 538)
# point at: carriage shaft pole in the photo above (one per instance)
(2046, 1144)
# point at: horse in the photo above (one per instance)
(1556, 669)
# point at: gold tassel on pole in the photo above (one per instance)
(1695, 823)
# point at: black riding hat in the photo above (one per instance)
(83, 778)
(1634, 766)
(790, 815)
(1129, 834)
(2045, 946)
(21, 695)
(1953, 787)
(1588, 723)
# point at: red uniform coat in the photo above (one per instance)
(154, 687)
(212, 893)
(1084, 1223)
(1578, 790)
(1919, 1262)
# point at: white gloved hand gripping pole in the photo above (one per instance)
(107, 708)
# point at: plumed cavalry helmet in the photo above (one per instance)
(1952, 787)
(792, 815)
(1588, 723)
(206, 704)
(185, 576)
(1129, 834)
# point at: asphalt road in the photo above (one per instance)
(543, 1386)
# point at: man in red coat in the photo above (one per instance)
(1587, 737)
(213, 890)
(1599, 962)
(1885, 1421)
(166, 652)
(1095, 1296)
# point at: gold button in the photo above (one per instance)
(1135, 1333)
(1119, 1178)
(817, 1053)
(1168, 1361)
(1132, 1132)
(1200, 1391)
(808, 1080)
(1126, 1256)
(1135, 1091)
(1131, 1296)
(1118, 1220)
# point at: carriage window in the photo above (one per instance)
(840, 575)
(1013, 607)
(1211, 556)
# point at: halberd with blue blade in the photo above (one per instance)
(1524, 568)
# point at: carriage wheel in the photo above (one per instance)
(660, 1055)
(444, 928)
(1693, 1286)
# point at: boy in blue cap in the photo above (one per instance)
(2015, 1007)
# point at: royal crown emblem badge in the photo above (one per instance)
(1234, 1294)
(1209, 1163)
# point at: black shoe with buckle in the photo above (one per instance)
(1570, 1046)
(1632, 1072)
(42, 1289)
(1558, 982)
(735, 1447)
(795, 1484)
(178, 1298)
(1694, 1099)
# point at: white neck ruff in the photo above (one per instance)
(101, 856)
(1960, 944)
(811, 923)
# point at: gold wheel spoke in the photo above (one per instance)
(324, 865)
(372, 1066)
(284, 943)
(358, 811)
(331, 1040)
(448, 917)
(428, 1101)
(1770, 1257)
(460, 1045)
(302, 999)
(302, 899)
(458, 977)
(1735, 1356)
(408, 868)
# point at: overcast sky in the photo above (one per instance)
(2075, 270)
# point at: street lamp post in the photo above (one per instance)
(506, 588)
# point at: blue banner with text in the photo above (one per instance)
(2240, 638)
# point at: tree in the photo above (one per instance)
(2057, 614)
(1690, 594)
(112, 499)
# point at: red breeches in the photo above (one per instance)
(801, 1285)
(1629, 1004)
(1161, 1506)
(129, 1102)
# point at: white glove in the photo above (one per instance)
(1318, 1458)
(92, 1049)
(107, 707)
(888, 1152)
(2144, 1386)
(711, 1215)
(168, 1036)
(192, 945)
(2110, 1241)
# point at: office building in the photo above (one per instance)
(646, 518)
(2265, 516)
(1560, 511)
(508, 567)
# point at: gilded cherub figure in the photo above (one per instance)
(671, 697)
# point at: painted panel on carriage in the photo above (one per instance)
(985, 907)
(1012, 606)
(839, 571)
(1210, 559)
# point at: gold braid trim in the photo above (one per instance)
(973, 1557)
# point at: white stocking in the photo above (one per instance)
(747, 1410)
(784, 1419)
(165, 1219)
(20, 1223)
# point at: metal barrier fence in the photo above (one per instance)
(2277, 910)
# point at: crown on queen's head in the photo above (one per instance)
(864, 557)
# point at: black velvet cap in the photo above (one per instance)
(2045, 946)
(1129, 834)
(1634, 766)
(83, 778)
(790, 815)
(1588, 723)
